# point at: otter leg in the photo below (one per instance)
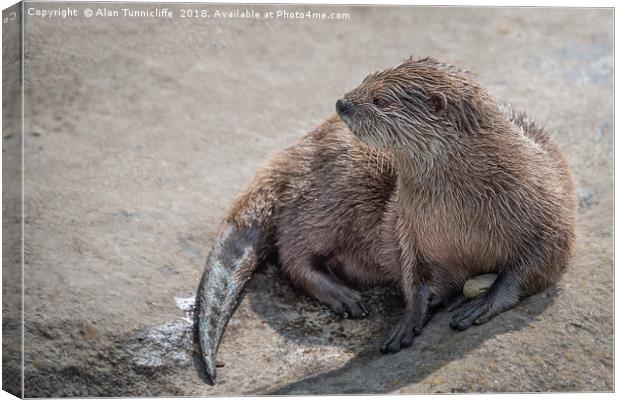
(416, 315)
(343, 300)
(504, 294)
(327, 289)
(420, 303)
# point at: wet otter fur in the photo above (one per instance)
(479, 189)
(438, 183)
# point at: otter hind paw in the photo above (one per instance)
(347, 303)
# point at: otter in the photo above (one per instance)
(422, 180)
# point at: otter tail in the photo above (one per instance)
(242, 243)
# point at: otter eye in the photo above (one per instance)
(379, 102)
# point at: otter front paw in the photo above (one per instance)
(476, 312)
(401, 335)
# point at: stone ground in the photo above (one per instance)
(140, 132)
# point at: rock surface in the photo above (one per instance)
(141, 132)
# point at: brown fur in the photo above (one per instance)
(444, 184)
(334, 191)
(479, 189)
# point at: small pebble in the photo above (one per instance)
(478, 285)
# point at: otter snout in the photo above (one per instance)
(344, 107)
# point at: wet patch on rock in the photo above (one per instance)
(165, 345)
(604, 130)
(76, 360)
(580, 63)
(587, 199)
(170, 344)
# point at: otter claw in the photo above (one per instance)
(346, 303)
(400, 337)
(354, 310)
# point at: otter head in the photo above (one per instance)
(416, 105)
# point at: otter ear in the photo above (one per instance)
(439, 102)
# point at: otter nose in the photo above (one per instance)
(343, 106)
